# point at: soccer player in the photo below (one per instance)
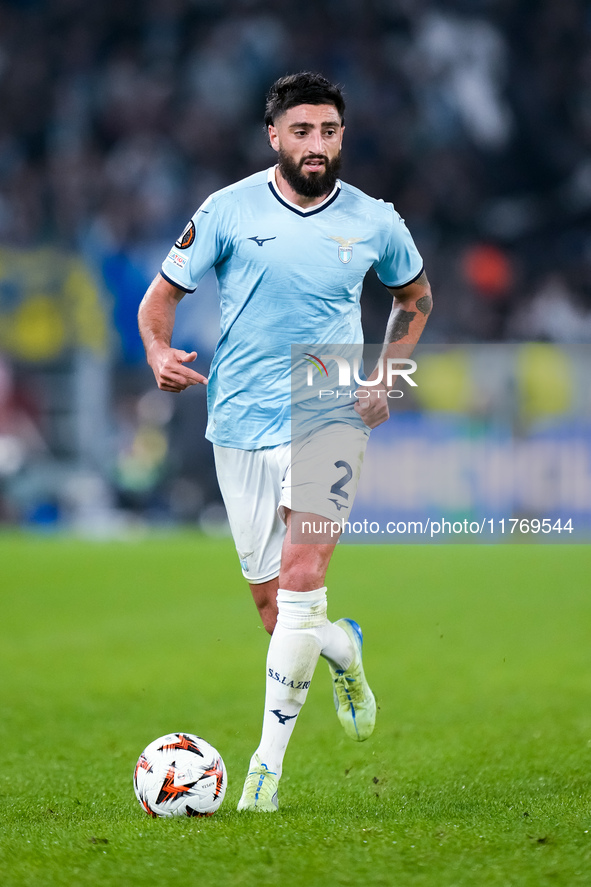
(290, 247)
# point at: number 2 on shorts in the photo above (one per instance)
(337, 487)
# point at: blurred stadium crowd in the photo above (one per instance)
(119, 118)
(473, 116)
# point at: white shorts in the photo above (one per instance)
(317, 473)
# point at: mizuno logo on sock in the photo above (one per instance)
(283, 719)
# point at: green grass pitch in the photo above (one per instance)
(477, 774)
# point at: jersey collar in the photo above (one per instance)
(300, 211)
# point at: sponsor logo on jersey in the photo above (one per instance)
(187, 237)
(260, 240)
(175, 257)
(346, 248)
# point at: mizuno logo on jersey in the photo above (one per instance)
(346, 248)
(260, 240)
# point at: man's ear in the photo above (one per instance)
(273, 137)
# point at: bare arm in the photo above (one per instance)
(156, 322)
(411, 307)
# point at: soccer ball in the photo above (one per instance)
(180, 775)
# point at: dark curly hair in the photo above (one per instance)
(304, 88)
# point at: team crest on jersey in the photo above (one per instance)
(346, 248)
(187, 237)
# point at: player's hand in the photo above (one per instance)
(170, 372)
(373, 408)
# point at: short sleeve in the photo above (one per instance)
(196, 251)
(401, 262)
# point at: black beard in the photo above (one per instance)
(314, 184)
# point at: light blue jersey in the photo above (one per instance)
(285, 275)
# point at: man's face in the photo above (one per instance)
(308, 139)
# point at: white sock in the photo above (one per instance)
(335, 645)
(294, 649)
(337, 649)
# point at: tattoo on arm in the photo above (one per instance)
(399, 325)
(424, 304)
